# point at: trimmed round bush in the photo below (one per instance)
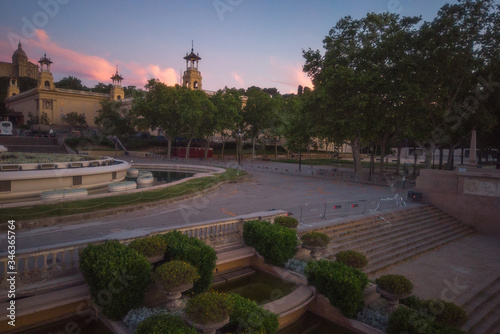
(117, 277)
(351, 258)
(397, 284)
(315, 239)
(248, 317)
(194, 251)
(175, 273)
(277, 244)
(445, 312)
(342, 285)
(407, 320)
(208, 308)
(289, 222)
(149, 246)
(164, 323)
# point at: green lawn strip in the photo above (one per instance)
(103, 203)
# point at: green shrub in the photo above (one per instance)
(149, 246)
(248, 317)
(208, 308)
(351, 258)
(175, 273)
(117, 277)
(407, 320)
(289, 222)
(412, 302)
(315, 239)
(164, 323)
(397, 284)
(277, 244)
(446, 312)
(342, 285)
(194, 251)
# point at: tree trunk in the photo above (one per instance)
(222, 153)
(169, 147)
(276, 149)
(440, 158)
(451, 157)
(188, 148)
(398, 160)
(382, 159)
(357, 158)
(253, 148)
(207, 147)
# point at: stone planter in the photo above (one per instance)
(207, 328)
(392, 298)
(315, 250)
(174, 301)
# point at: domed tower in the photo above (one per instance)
(192, 77)
(46, 80)
(117, 92)
(19, 56)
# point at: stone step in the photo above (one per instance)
(376, 223)
(379, 263)
(393, 242)
(384, 232)
(484, 309)
(230, 246)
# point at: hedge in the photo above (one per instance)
(342, 285)
(289, 222)
(164, 323)
(117, 277)
(194, 251)
(351, 258)
(248, 317)
(410, 321)
(277, 244)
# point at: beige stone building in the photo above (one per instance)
(57, 102)
(20, 66)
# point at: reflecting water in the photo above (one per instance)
(310, 323)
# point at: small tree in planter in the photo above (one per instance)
(152, 247)
(315, 242)
(208, 311)
(289, 222)
(164, 323)
(394, 288)
(175, 277)
(351, 258)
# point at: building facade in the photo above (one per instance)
(20, 66)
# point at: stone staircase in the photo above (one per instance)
(389, 238)
(482, 304)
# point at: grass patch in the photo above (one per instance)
(103, 203)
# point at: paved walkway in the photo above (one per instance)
(453, 269)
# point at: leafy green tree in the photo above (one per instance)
(74, 120)
(228, 113)
(113, 119)
(70, 83)
(102, 88)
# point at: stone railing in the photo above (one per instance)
(37, 264)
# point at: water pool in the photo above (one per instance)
(310, 323)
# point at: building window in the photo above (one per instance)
(47, 84)
(77, 180)
(5, 186)
(119, 97)
(195, 85)
(113, 176)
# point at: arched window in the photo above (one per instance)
(119, 97)
(195, 85)
(13, 94)
(47, 84)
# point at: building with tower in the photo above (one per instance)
(54, 102)
(20, 66)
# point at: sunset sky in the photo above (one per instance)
(241, 42)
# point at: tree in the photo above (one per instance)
(358, 85)
(113, 119)
(257, 114)
(297, 128)
(75, 120)
(102, 88)
(228, 114)
(70, 83)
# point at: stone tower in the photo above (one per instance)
(117, 92)
(46, 80)
(13, 89)
(192, 77)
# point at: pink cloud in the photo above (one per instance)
(289, 74)
(95, 68)
(237, 77)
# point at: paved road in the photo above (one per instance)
(264, 191)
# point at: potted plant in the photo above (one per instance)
(289, 222)
(153, 248)
(394, 288)
(315, 242)
(175, 277)
(208, 311)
